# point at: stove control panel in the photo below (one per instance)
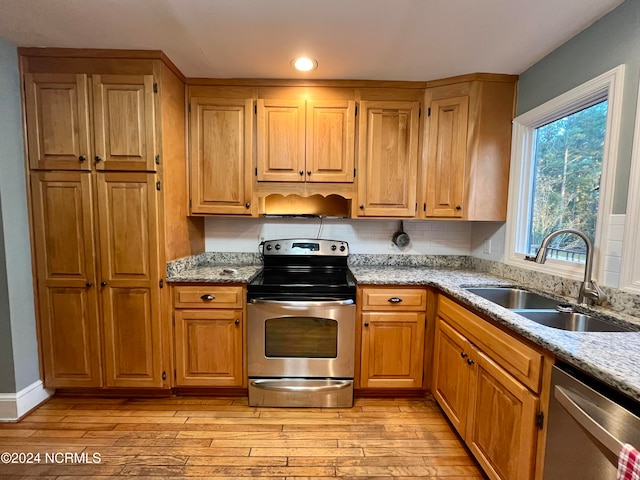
(305, 246)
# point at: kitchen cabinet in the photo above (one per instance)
(465, 171)
(209, 325)
(489, 384)
(221, 156)
(388, 158)
(392, 326)
(57, 111)
(305, 140)
(104, 218)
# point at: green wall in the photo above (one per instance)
(611, 41)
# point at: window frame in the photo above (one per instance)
(607, 86)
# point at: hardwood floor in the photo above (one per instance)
(223, 438)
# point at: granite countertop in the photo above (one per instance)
(612, 357)
(214, 268)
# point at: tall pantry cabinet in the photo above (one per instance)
(105, 140)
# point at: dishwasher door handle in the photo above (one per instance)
(587, 422)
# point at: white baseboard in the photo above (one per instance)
(15, 405)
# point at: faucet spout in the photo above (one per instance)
(589, 290)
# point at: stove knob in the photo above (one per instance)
(269, 247)
(333, 247)
(277, 246)
(342, 249)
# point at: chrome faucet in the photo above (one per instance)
(589, 290)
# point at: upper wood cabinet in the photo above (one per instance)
(467, 147)
(305, 140)
(221, 154)
(388, 158)
(61, 132)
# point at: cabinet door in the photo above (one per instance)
(392, 349)
(388, 159)
(446, 154)
(451, 374)
(281, 140)
(330, 134)
(209, 348)
(68, 307)
(129, 279)
(124, 124)
(57, 116)
(221, 156)
(501, 431)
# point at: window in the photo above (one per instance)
(567, 165)
(562, 173)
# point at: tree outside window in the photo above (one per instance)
(566, 180)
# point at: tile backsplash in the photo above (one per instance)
(363, 236)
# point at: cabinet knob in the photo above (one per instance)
(247, 205)
(103, 284)
(394, 300)
(458, 207)
(82, 158)
(470, 362)
(464, 355)
(309, 172)
(301, 172)
(88, 284)
(366, 324)
(207, 297)
(361, 207)
(236, 322)
(98, 158)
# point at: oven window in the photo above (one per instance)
(301, 337)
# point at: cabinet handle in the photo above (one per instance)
(103, 284)
(366, 324)
(207, 297)
(470, 362)
(309, 172)
(464, 355)
(98, 158)
(88, 284)
(458, 207)
(247, 205)
(395, 300)
(361, 207)
(236, 322)
(301, 172)
(82, 158)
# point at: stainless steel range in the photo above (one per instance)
(301, 317)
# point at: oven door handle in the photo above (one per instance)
(282, 386)
(303, 303)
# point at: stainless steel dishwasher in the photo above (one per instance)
(588, 423)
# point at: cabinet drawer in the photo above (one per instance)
(394, 299)
(520, 360)
(203, 296)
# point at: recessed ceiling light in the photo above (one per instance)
(304, 64)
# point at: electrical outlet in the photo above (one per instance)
(487, 246)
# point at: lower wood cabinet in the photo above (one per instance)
(392, 327)
(492, 410)
(209, 336)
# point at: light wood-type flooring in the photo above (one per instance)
(223, 438)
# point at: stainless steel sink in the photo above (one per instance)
(576, 322)
(514, 298)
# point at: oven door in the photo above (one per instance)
(302, 338)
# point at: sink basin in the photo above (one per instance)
(576, 322)
(514, 298)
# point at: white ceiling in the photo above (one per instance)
(351, 39)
